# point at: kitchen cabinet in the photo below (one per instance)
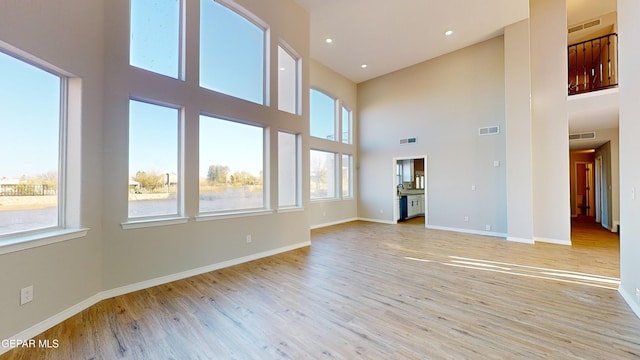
(411, 206)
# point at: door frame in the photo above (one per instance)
(394, 190)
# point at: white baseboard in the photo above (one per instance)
(467, 231)
(629, 299)
(69, 312)
(614, 228)
(52, 321)
(318, 226)
(520, 240)
(379, 221)
(553, 241)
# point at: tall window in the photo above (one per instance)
(346, 176)
(155, 36)
(232, 52)
(31, 142)
(288, 178)
(323, 115)
(323, 174)
(231, 165)
(346, 125)
(153, 160)
(287, 81)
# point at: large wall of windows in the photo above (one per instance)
(331, 159)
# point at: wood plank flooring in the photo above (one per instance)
(375, 291)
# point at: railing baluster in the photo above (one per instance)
(591, 76)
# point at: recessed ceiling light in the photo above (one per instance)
(282, 69)
(363, 66)
(448, 32)
(328, 40)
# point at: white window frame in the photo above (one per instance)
(231, 213)
(142, 221)
(67, 228)
(298, 77)
(266, 31)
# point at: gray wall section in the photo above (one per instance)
(443, 102)
(629, 26)
(67, 35)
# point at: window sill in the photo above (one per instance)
(140, 224)
(232, 215)
(29, 241)
(290, 209)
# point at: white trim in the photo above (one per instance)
(197, 271)
(552, 241)
(318, 226)
(85, 304)
(614, 228)
(378, 221)
(139, 224)
(630, 301)
(54, 320)
(520, 240)
(289, 209)
(467, 231)
(30, 241)
(231, 215)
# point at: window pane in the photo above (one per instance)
(287, 82)
(323, 115)
(287, 169)
(29, 144)
(153, 160)
(346, 176)
(323, 174)
(231, 163)
(231, 53)
(155, 36)
(346, 125)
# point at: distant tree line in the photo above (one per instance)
(220, 174)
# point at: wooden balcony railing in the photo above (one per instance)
(593, 64)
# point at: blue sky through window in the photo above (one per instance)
(29, 120)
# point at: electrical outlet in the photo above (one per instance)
(26, 294)
(381, 211)
(487, 227)
(249, 239)
(638, 295)
(466, 219)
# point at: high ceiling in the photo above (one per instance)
(391, 35)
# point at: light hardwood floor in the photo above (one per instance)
(374, 291)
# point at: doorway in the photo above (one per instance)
(410, 190)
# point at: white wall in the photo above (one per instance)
(551, 205)
(325, 212)
(69, 36)
(629, 53)
(442, 102)
(518, 132)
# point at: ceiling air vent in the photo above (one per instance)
(408, 141)
(489, 130)
(582, 136)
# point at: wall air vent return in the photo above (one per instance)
(408, 141)
(575, 28)
(591, 23)
(583, 26)
(489, 130)
(582, 136)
